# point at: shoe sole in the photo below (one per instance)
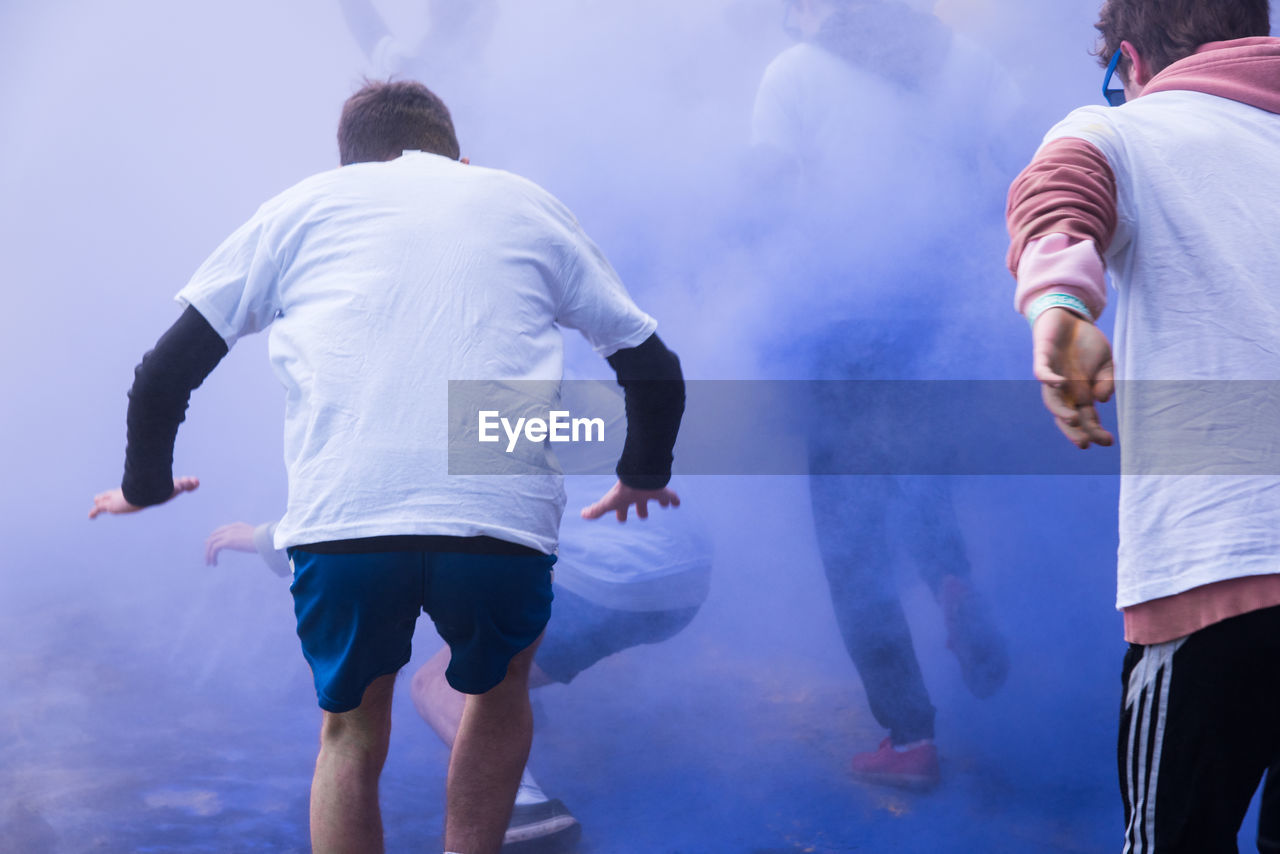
(560, 830)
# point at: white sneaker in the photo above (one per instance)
(547, 826)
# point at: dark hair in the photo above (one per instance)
(387, 117)
(1165, 31)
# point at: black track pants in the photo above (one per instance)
(1199, 725)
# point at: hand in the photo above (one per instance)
(621, 497)
(113, 501)
(237, 536)
(1072, 361)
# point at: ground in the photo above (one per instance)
(152, 704)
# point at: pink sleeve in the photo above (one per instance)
(1060, 263)
(1070, 189)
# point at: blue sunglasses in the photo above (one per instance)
(1115, 97)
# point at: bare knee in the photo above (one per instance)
(339, 733)
(364, 733)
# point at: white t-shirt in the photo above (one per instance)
(886, 191)
(383, 281)
(657, 564)
(1195, 261)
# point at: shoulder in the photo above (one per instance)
(521, 194)
(1094, 124)
(498, 191)
(301, 195)
(503, 181)
(800, 63)
(801, 85)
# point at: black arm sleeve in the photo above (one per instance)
(162, 385)
(653, 388)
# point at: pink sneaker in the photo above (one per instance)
(914, 768)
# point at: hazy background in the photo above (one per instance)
(148, 702)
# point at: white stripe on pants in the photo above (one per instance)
(1146, 736)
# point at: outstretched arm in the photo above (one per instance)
(653, 389)
(1062, 217)
(162, 387)
(113, 501)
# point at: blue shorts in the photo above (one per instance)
(356, 614)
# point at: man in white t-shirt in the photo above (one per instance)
(383, 281)
(615, 588)
(1173, 189)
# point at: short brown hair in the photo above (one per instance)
(387, 117)
(1165, 31)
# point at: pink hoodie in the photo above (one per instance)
(1068, 191)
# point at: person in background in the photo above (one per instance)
(1172, 189)
(381, 281)
(876, 141)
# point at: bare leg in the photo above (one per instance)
(344, 794)
(490, 749)
(435, 699)
(439, 704)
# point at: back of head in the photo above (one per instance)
(386, 118)
(1165, 31)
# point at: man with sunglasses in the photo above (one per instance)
(1174, 192)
